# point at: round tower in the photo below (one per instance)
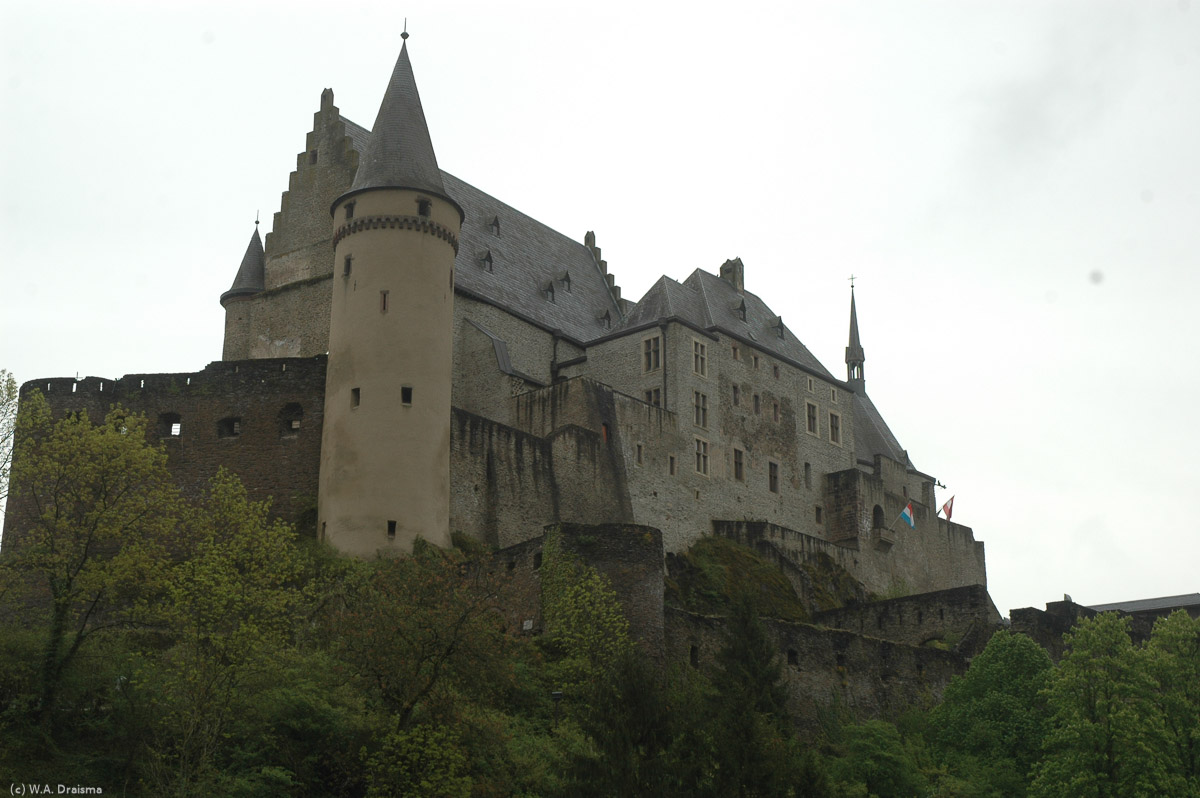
(249, 282)
(385, 449)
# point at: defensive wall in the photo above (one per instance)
(260, 419)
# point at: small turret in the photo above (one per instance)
(249, 282)
(854, 352)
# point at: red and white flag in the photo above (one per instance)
(948, 508)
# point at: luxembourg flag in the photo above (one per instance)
(906, 515)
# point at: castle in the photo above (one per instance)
(408, 356)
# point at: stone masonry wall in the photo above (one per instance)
(272, 459)
(827, 670)
(289, 321)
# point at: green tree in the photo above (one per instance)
(1106, 737)
(8, 425)
(874, 761)
(992, 720)
(90, 510)
(1173, 657)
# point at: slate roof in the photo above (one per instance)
(871, 433)
(1149, 605)
(527, 258)
(708, 302)
(250, 277)
(399, 152)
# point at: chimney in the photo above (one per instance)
(733, 272)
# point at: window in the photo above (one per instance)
(701, 456)
(775, 411)
(349, 210)
(808, 475)
(835, 428)
(391, 530)
(737, 355)
(355, 397)
(754, 361)
(878, 520)
(289, 418)
(793, 658)
(424, 208)
(312, 157)
(700, 358)
(737, 395)
(671, 465)
(810, 384)
(701, 407)
(773, 477)
(383, 301)
(820, 516)
(694, 656)
(566, 281)
(229, 428)
(406, 394)
(775, 371)
(833, 395)
(650, 354)
(654, 396)
(169, 425)
(347, 265)
(756, 404)
(486, 261)
(811, 425)
(639, 454)
(495, 225)
(739, 471)
(548, 291)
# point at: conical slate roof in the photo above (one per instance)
(854, 352)
(251, 275)
(400, 152)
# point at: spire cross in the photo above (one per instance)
(852, 282)
(404, 35)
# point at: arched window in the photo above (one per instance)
(290, 416)
(877, 518)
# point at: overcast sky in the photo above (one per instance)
(1015, 185)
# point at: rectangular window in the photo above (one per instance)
(346, 265)
(754, 359)
(700, 358)
(671, 465)
(651, 357)
(406, 394)
(383, 301)
(775, 371)
(820, 516)
(737, 395)
(756, 404)
(835, 428)
(391, 527)
(355, 397)
(811, 418)
(639, 454)
(810, 385)
(808, 475)
(775, 411)
(773, 477)
(736, 352)
(701, 407)
(833, 395)
(701, 456)
(349, 210)
(739, 472)
(654, 396)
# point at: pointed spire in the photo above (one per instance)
(251, 275)
(854, 352)
(400, 152)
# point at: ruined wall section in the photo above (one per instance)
(260, 419)
(826, 670)
(961, 618)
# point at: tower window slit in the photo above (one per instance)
(391, 530)
(406, 394)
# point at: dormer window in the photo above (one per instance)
(565, 279)
(605, 320)
(349, 210)
(548, 290)
(741, 310)
(486, 261)
(424, 208)
(495, 225)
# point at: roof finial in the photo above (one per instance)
(256, 218)
(404, 35)
(852, 282)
